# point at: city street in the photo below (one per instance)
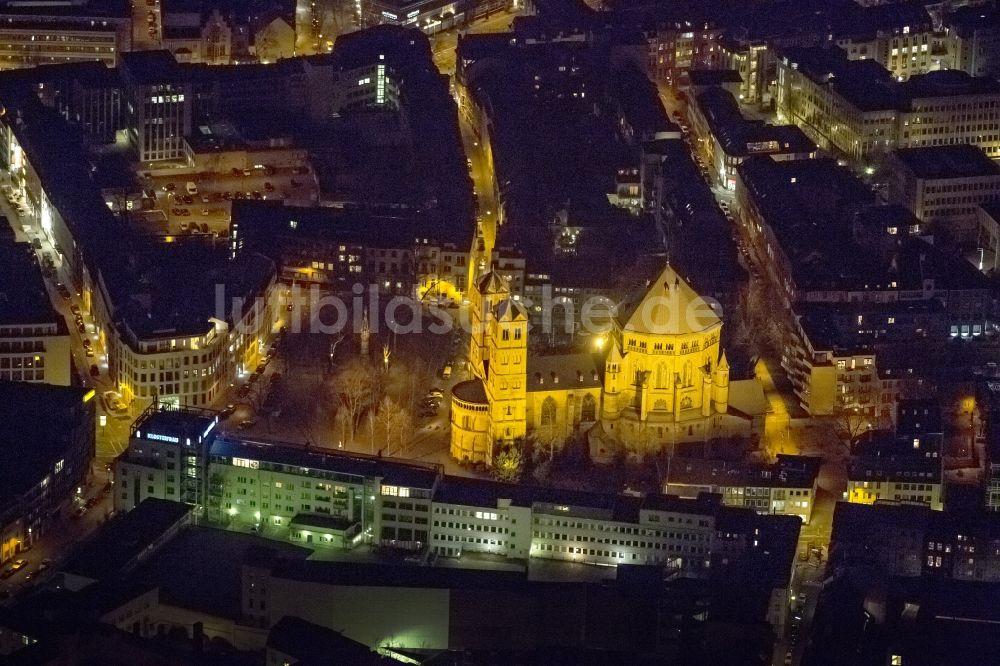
(443, 43)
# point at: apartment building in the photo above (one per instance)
(678, 46)
(912, 540)
(816, 228)
(34, 339)
(786, 487)
(859, 109)
(943, 186)
(39, 479)
(725, 138)
(900, 37)
(972, 40)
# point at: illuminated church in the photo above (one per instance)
(660, 378)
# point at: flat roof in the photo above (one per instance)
(51, 414)
(396, 472)
(121, 543)
(740, 137)
(942, 162)
(23, 296)
(788, 472)
(713, 77)
(69, 8)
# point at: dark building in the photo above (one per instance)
(46, 447)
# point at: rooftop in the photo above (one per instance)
(310, 643)
(941, 162)
(811, 206)
(187, 423)
(669, 306)
(396, 472)
(740, 137)
(54, 415)
(788, 472)
(23, 297)
(553, 372)
(75, 8)
(713, 77)
(127, 539)
(868, 86)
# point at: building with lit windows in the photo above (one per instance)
(903, 465)
(912, 540)
(725, 138)
(333, 499)
(159, 104)
(678, 46)
(900, 37)
(859, 109)
(34, 339)
(40, 474)
(822, 238)
(943, 186)
(786, 487)
(46, 33)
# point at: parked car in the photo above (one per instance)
(17, 565)
(95, 371)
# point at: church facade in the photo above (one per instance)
(659, 378)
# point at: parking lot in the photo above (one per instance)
(202, 203)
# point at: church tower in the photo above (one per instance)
(506, 370)
(484, 296)
(720, 388)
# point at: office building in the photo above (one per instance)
(337, 500)
(943, 186)
(858, 108)
(159, 105)
(44, 33)
(40, 474)
(34, 339)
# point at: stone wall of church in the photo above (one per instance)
(556, 416)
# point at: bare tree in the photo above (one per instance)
(851, 422)
(396, 421)
(357, 389)
(759, 325)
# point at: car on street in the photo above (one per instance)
(436, 393)
(88, 352)
(243, 425)
(7, 572)
(95, 371)
(17, 565)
